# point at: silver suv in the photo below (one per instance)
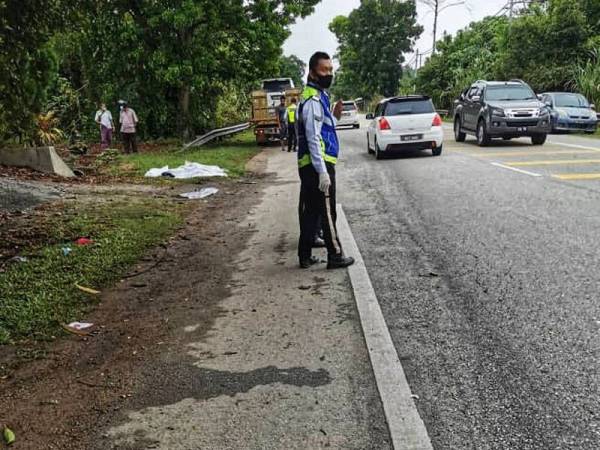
(500, 109)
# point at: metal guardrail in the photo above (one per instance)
(220, 132)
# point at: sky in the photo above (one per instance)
(312, 33)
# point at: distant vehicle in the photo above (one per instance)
(500, 109)
(571, 112)
(405, 123)
(349, 115)
(264, 104)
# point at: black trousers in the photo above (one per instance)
(291, 137)
(129, 143)
(315, 205)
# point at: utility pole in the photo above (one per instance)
(417, 61)
(437, 7)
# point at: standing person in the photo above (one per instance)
(318, 149)
(129, 120)
(291, 121)
(281, 111)
(107, 127)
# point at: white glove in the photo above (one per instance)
(324, 182)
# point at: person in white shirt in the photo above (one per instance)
(107, 126)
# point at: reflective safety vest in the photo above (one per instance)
(291, 113)
(330, 146)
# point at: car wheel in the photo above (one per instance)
(378, 153)
(437, 151)
(538, 139)
(459, 136)
(483, 138)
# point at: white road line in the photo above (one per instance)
(585, 147)
(406, 427)
(526, 172)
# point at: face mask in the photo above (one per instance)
(325, 81)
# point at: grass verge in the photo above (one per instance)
(37, 295)
(232, 155)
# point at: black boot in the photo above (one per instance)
(339, 262)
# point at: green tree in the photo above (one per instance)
(470, 55)
(292, 67)
(173, 60)
(27, 63)
(542, 45)
(373, 39)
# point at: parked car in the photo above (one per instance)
(349, 115)
(405, 123)
(570, 112)
(500, 109)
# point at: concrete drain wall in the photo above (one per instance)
(43, 159)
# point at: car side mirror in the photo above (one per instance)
(593, 107)
(548, 104)
(476, 98)
(370, 116)
(540, 97)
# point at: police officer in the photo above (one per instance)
(291, 121)
(318, 149)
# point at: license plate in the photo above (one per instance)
(522, 129)
(412, 137)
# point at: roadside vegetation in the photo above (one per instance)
(38, 287)
(231, 155)
(185, 66)
(551, 44)
(39, 291)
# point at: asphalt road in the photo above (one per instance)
(485, 262)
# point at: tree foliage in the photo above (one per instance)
(292, 67)
(27, 64)
(372, 41)
(172, 60)
(546, 45)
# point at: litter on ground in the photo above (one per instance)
(83, 241)
(188, 170)
(87, 289)
(202, 193)
(80, 325)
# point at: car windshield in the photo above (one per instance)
(401, 107)
(276, 85)
(507, 93)
(349, 107)
(570, 101)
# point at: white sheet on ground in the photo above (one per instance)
(202, 193)
(188, 170)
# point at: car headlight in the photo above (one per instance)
(499, 112)
(562, 114)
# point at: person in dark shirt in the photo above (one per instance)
(281, 121)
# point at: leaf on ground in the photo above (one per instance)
(87, 289)
(9, 436)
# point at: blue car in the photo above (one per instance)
(570, 112)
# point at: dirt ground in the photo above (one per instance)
(58, 395)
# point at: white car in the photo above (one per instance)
(349, 116)
(405, 123)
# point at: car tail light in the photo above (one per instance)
(384, 124)
(437, 121)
